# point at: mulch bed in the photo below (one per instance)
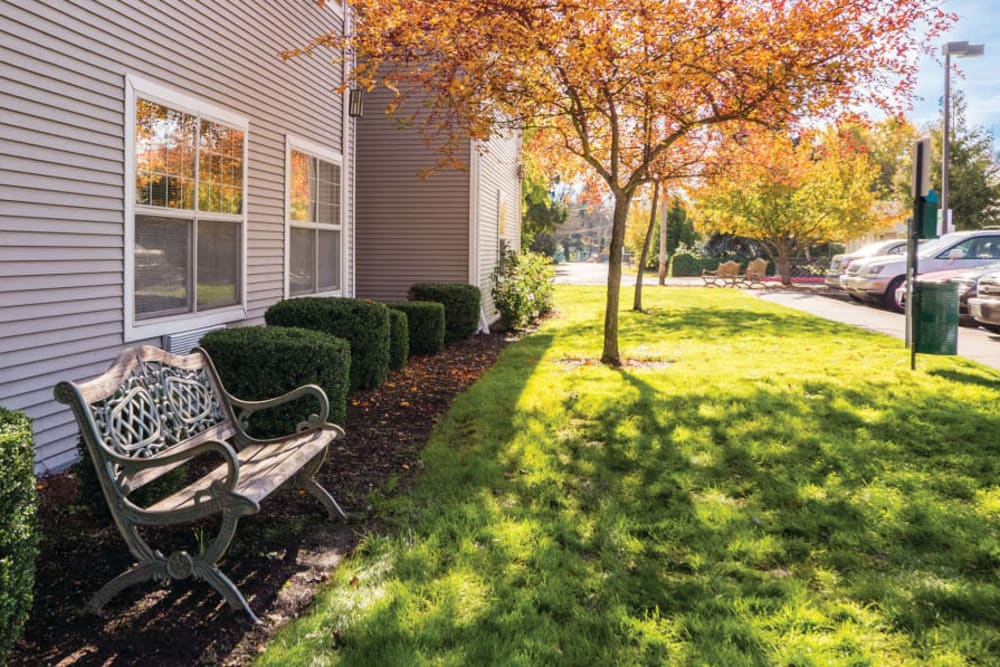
(278, 559)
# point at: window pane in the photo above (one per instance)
(314, 191)
(165, 155)
(298, 189)
(329, 260)
(162, 266)
(327, 193)
(220, 169)
(218, 264)
(302, 262)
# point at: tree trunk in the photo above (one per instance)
(663, 242)
(782, 262)
(610, 355)
(637, 302)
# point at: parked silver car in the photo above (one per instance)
(877, 278)
(839, 263)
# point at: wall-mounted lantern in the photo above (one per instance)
(356, 102)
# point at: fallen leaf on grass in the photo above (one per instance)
(355, 581)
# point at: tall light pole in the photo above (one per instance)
(959, 50)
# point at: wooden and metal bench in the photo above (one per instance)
(727, 274)
(152, 412)
(756, 270)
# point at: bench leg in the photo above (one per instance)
(306, 480)
(134, 575)
(178, 565)
(227, 589)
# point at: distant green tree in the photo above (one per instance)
(542, 210)
(974, 173)
(680, 230)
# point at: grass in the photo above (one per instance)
(769, 488)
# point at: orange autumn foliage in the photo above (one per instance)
(618, 84)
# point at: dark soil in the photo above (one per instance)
(278, 559)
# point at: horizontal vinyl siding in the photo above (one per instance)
(62, 137)
(497, 175)
(409, 229)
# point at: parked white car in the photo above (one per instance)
(877, 278)
(839, 263)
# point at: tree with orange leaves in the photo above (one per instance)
(617, 84)
(793, 193)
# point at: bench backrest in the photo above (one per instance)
(728, 269)
(757, 268)
(148, 402)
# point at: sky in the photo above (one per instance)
(978, 23)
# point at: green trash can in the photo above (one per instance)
(937, 318)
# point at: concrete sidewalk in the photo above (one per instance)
(976, 344)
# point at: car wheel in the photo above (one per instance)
(994, 328)
(889, 298)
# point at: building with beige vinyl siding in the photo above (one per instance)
(445, 227)
(162, 171)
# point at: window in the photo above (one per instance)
(977, 247)
(186, 217)
(314, 215)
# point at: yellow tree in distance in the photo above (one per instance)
(617, 84)
(791, 193)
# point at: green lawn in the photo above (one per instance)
(770, 488)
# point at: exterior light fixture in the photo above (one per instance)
(959, 50)
(356, 102)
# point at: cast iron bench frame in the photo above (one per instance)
(152, 412)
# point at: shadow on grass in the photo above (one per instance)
(816, 521)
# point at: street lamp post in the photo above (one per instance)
(959, 50)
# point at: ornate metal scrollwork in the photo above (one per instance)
(156, 407)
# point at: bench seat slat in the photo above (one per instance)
(263, 468)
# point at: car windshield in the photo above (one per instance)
(934, 246)
(879, 248)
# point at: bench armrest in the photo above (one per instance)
(313, 422)
(132, 465)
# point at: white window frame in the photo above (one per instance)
(139, 87)
(327, 155)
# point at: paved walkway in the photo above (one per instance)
(976, 344)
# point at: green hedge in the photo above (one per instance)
(363, 324)
(690, 265)
(425, 321)
(257, 363)
(461, 306)
(18, 536)
(399, 339)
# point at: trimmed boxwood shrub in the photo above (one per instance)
(18, 536)
(461, 306)
(425, 321)
(399, 339)
(363, 324)
(258, 363)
